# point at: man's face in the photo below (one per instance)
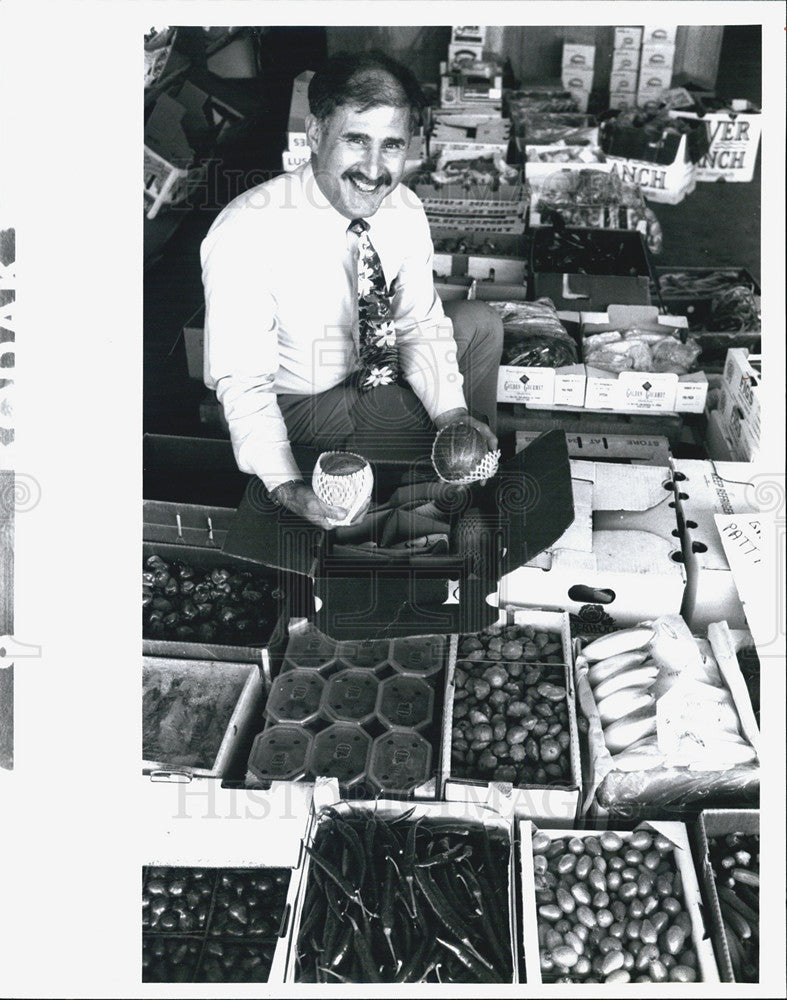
(359, 156)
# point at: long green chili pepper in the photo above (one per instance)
(387, 908)
(480, 971)
(493, 939)
(343, 948)
(347, 887)
(364, 953)
(357, 858)
(447, 917)
(457, 853)
(415, 970)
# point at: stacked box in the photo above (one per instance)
(625, 67)
(655, 74)
(740, 403)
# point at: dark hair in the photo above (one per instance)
(359, 79)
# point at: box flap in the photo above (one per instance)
(186, 824)
(629, 487)
(164, 132)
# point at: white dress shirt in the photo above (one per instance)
(279, 270)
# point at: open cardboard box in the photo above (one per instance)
(194, 534)
(414, 594)
(718, 823)
(555, 804)
(326, 796)
(484, 267)
(635, 391)
(187, 826)
(734, 140)
(650, 449)
(740, 401)
(573, 291)
(692, 900)
(703, 490)
(215, 679)
(674, 787)
(613, 567)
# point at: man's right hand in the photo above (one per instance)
(301, 499)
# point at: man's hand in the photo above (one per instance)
(463, 417)
(301, 499)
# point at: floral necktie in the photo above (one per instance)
(376, 329)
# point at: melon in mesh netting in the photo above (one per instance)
(460, 455)
(343, 479)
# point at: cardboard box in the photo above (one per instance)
(555, 804)
(718, 444)
(194, 534)
(578, 56)
(297, 142)
(469, 34)
(564, 386)
(692, 900)
(718, 823)
(456, 288)
(299, 102)
(462, 91)
(660, 57)
(623, 81)
(628, 38)
(484, 267)
(630, 390)
(611, 565)
(327, 797)
(657, 35)
(592, 291)
(465, 126)
(734, 143)
(463, 56)
(697, 307)
(291, 161)
(740, 401)
(704, 489)
(620, 102)
(625, 60)
(625, 449)
(578, 83)
(412, 594)
(184, 825)
(217, 678)
(667, 185)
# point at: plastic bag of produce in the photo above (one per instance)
(664, 727)
(535, 337)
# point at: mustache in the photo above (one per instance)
(384, 180)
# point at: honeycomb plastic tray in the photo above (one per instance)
(367, 689)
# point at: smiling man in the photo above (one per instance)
(322, 325)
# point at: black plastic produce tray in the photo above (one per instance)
(195, 957)
(394, 731)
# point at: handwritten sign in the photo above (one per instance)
(741, 537)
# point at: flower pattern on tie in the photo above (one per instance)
(376, 328)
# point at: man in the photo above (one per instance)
(322, 323)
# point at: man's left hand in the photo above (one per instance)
(463, 417)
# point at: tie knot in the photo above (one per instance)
(358, 226)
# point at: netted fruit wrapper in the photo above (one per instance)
(485, 469)
(350, 491)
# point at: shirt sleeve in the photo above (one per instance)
(242, 352)
(424, 334)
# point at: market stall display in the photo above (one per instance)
(618, 690)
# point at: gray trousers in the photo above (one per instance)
(389, 422)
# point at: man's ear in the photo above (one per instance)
(313, 132)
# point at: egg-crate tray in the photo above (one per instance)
(368, 713)
(194, 941)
